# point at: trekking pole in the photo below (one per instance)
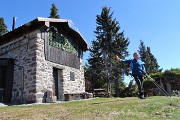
(159, 86)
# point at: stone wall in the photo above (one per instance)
(22, 50)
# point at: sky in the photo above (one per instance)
(156, 22)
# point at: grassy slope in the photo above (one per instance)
(98, 109)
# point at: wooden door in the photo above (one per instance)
(55, 76)
(58, 81)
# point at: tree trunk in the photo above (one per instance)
(168, 85)
(117, 89)
(161, 84)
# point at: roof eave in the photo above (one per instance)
(39, 21)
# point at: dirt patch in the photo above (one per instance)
(173, 105)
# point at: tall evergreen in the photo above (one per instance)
(153, 66)
(54, 12)
(3, 27)
(96, 75)
(151, 63)
(109, 42)
(142, 50)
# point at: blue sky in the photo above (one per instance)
(156, 22)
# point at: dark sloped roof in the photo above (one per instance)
(40, 22)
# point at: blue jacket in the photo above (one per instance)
(137, 66)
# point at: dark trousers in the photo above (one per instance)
(139, 81)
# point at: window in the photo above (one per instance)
(72, 76)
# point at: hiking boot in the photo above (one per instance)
(142, 97)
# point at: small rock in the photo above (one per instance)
(158, 113)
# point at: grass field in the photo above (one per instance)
(152, 108)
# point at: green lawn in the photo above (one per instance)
(152, 108)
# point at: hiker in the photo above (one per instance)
(138, 72)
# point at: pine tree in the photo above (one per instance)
(3, 27)
(54, 12)
(153, 66)
(109, 42)
(96, 75)
(151, 63)
(131, 90)
(142, 50)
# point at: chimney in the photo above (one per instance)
(14, 23)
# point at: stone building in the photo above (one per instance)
(41, 61)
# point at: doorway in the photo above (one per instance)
(58, 83)
(2, 81)
(6, 79)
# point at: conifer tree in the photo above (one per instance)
(142, 50)
(109, 42)
(151, 63)
(54, 12)
(3, 27)
(96, 75)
